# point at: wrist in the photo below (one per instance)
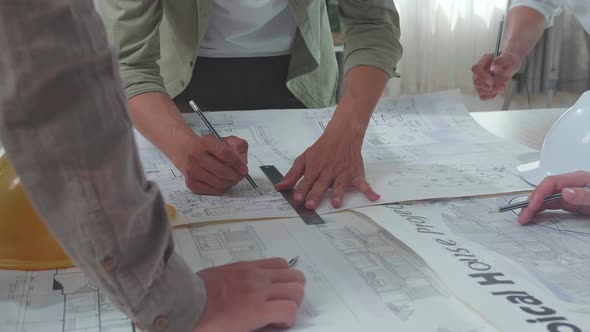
(515, 52)
(183, 138)
(349, 121)
(344, 134)
(346, 129)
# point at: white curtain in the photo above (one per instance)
(442, 39)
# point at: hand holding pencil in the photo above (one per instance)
(210, 166)
(493, 71)
(575, 195)
(241, 168)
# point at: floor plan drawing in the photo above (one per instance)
(357, 275)
(242, 201)
(235, 244)
(411, 142)
(466, 239)
(345, 261)
(555, 249)
(397, 276)
(554, 221)
(56, 300)
(460, 175)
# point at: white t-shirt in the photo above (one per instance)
(552, 8)
(248, 28)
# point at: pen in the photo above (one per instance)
(498, 41)
(214, 132)
(293, 261)
(524, 204)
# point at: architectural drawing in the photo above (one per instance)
(412, 142)
(227, 244)
(458, 176)
(357, 275)
(396, 275)
(555, 250)
(241, 201)
(384, 264)
(346, 260)
(481, 255)
(56, 300)
(560, 222)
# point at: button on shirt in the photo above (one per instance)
(552, 8)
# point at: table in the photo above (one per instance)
(527, 127)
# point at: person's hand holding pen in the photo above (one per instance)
(503, 67)
(222, 168)
(492, 72)
(576, 198)
(523, 29)
(212, 167)
(212, 164)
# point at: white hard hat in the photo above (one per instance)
(566, 147)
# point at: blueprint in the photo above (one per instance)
(461, 239)
(428, 145)
(240, 202)
(357, 273)
(555, 249)
(56, 300)
(358, 276)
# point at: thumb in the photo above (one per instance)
(239, 146)
(505, 65)
(576, 196)
(293, 176)
(482, 66)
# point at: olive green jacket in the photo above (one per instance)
(158, 42)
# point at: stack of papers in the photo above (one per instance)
(415, 148)
(439, 265)
(519, 278)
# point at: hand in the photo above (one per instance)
(504, 67)
(333, 161)
(211, 167)
(575, 199)
(246, 296)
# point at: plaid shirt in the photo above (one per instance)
(64, 125)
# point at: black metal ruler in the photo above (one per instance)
(310, 217)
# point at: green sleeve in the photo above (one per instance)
(371, 34)
(133, 29)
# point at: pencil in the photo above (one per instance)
(293, 261)
(526, 203)
(214, 132)
(498, 41)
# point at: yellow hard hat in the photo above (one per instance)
(25, 241)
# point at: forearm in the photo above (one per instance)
(156, 116)
(524, 28)
(372, 33)
(209, 166)
(371, 50)
(363, 88)
(66, 131)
